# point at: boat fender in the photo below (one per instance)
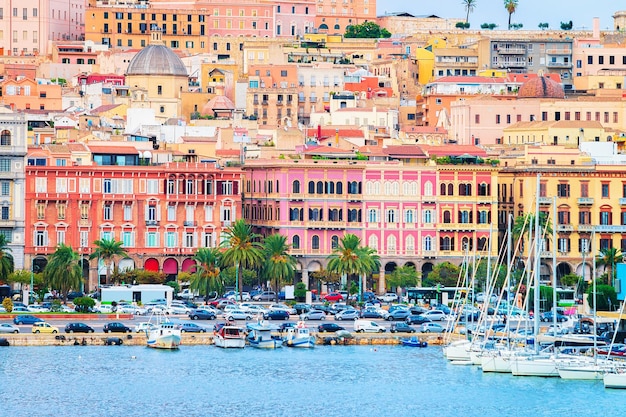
(4, 342)
(129, 336)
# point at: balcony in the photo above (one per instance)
(512, 64)
(585, 228)
(190, 223)
(545, 200)
(280, 103)
(564, 228)
(255, 102)
(585, 201)
(264, 103)
(511, 51)
(559, 51)
(152, 222)
(84, 223)
(559, 65)
(603, 228)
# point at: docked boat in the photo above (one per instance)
(299, 336)
(260, 336)
(615, 379)
(166, 335)
(413, 342)
(230, 337)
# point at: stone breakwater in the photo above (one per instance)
(139, 339)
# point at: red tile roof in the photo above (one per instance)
(453, 150)
(114, 149)
(354, 133)
(405, 151)
(228, 152)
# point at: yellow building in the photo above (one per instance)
(425, 58)
(590, 195)
(157, 79)
(563, 132)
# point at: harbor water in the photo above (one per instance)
(325, 381)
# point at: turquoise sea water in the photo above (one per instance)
(325, 381)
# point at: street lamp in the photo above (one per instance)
(32, 276)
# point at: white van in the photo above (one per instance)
(361, 326)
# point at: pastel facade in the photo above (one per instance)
(163, 213)
(411, 213)
(26, 94)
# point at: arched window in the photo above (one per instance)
(482, 217)
(482, 243)
(391, 216)
(391, 244)
(295, 242)
(410, 243)
(428, 189)
(443, 188)
(352, 215)
(408, 216)
(334, 242)
(447, 218)
(395, 188)
(483, 189)
(311, 187)
(339, 187)
(296, 187)
(320, 187)
(467, 243)
(373, 242)
(450, 189)
(369, 188)
(315, 242)
(5, 138)
(372, 215)
(376, 188)
(445, 243)
(428, 243)
(330, 187)
(387, 188)
(427, 216)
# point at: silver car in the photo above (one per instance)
(8, 328)
(313, 315)
(350, 314)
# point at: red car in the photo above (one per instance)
(333, 296)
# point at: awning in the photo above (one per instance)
(126, 264)
(189, 265)
(170, 266)
(151, 265)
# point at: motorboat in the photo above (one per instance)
(260, 336)
(299, 336)
(164, 335)
(414, 342)
(615, 379)
(230, 337)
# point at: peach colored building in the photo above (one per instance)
(273, 94)
(334, 16)
(26, 94)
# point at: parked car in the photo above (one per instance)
(434, 315)
(333, 296)
(398, 315)
(388, 297)
(145, 327)
(302, 308)
(221, 304)
(43, 327)
(276, 315)
(329, 327)
(255, 309)
(313, 315)
(361, 326)
(442, 307)
(371, 313)
(432, 328)
(191, 328)
(8, 328)
(179, 309)
(116, 327)
(548, 316)
(74, 294)
(322, 307)
(20, 309)
(350, 314)
(283, 307)
(265, 296)
(78, 328)
(417, 319)
(104, 309)
(201, 314)
(245, 296)
(402, 327)
(26, 319)
(238, 315)
(286, 325)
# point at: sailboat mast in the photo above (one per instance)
(554, 247)
(537, 263)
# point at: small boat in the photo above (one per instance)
(615, 379)
(413, 342)
(260, 336)
(166, 335)
(299, 336)
(230, 337)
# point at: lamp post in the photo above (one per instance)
(32, 278)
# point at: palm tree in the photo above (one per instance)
(526, 223)
(609, 257)
(107, 249)
(207, 277)
(279, 264)
(345, 259)
(241, 249)
(63, 271)
(6, 259)
(469, 5)
(511, 7)
(370, 262)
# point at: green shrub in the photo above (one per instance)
(7, 303)
(83, 304)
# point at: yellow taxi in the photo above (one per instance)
(43, 327)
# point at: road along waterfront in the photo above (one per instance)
(325, 381)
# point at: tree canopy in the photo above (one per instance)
(368, 30)
(445, 273)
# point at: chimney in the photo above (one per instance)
(596, 28)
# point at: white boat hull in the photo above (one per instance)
(304, 342)
(495, 363)
(229, 343)
(590, 372)
(534, 367)
(266, 344)
(615, 380)
(168, 341)
(458, 351)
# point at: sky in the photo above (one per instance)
(529, 12)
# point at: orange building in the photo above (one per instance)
(273, 93)
(25, 94)
(162, 213)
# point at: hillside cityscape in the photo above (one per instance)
(160, 125)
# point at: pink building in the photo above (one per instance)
(29, 25)
(409, 211)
